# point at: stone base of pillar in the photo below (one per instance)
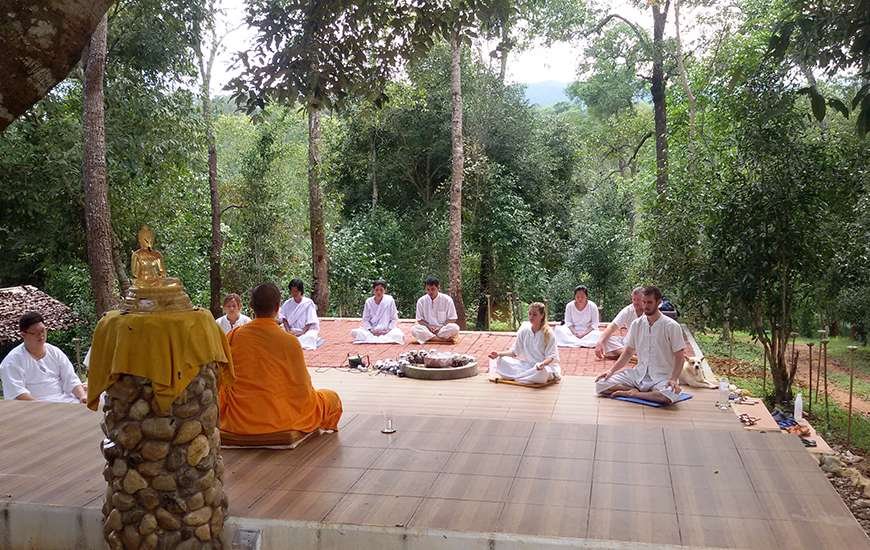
(163, 469)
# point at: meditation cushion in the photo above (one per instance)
(549, 382)
(289, 439)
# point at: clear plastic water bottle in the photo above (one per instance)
(799, 407)
(724, 392)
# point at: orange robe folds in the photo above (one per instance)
(272, 391)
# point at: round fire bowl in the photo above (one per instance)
(420, 372)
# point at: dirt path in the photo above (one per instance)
(835, 393)
(838, 394)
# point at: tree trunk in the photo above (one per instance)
(486, 268)
(660, 15)
(97, 212)
(458, 169)
(42, 42)
(319, 256)
(684, 77)
(119, 257)
(373, 170)
(505, 50)
(214, 253)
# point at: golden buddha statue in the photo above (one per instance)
(147, 263)
(152, 290)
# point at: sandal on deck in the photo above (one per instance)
(747, 420)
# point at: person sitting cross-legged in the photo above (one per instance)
(611, 341)
(272, 392)
(298, 316)
(581, 322)
(659, 343)
(38, 371)
(436, 315)
(379, 319)
(533, 357)
(233, 316)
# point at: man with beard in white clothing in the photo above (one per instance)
(298, 315)
(435, 314)
(38, 371)
(610, 342)
(581, 322)
(379, 319)
(659, 343)
(533, 357)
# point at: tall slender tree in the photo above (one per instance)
(97, 213)
(366, 42)
(207, 48)
(456, 178)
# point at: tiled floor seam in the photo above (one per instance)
(673, 490)
(591, 480)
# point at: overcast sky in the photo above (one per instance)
(557, 62)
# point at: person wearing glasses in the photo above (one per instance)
(38, 371)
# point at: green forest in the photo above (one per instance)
(382, 140)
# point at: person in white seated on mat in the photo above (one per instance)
(233, 316)
(379, 319)
(38, 371)
(659, 343)
(436, 315)
(533, 357)
(610, 341)
(298, 316)
(581, 322)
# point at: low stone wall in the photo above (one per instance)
(163, 469)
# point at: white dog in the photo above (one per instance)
(693, 374)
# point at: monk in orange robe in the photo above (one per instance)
(272, 391)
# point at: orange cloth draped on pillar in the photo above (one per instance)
(272, 391)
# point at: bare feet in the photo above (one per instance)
(625, 393)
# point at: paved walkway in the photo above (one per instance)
(336, 332)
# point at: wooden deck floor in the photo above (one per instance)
(336, 332)
(469, 455)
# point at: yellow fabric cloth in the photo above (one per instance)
(168, 348)
(272, 392)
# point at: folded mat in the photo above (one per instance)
(682, 397)
(549, 382)
(278, 440)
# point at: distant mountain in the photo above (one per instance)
(546, 93)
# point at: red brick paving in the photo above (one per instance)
(336, 332)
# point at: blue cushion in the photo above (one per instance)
(682, 397)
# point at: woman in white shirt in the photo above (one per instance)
(379, 319)
(581, 322)
(533, 357)
(233, 316)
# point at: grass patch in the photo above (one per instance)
(841, 380)
(748, 352)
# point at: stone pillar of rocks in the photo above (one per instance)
(163, 468)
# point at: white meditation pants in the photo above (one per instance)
(423, 334)
(311, 340)
(637, 379)
(523, 372)
(566, 339)
(364, 336)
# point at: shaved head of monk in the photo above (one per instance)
(265, 300)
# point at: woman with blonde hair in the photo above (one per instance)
(233, 313)
(533, 358)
